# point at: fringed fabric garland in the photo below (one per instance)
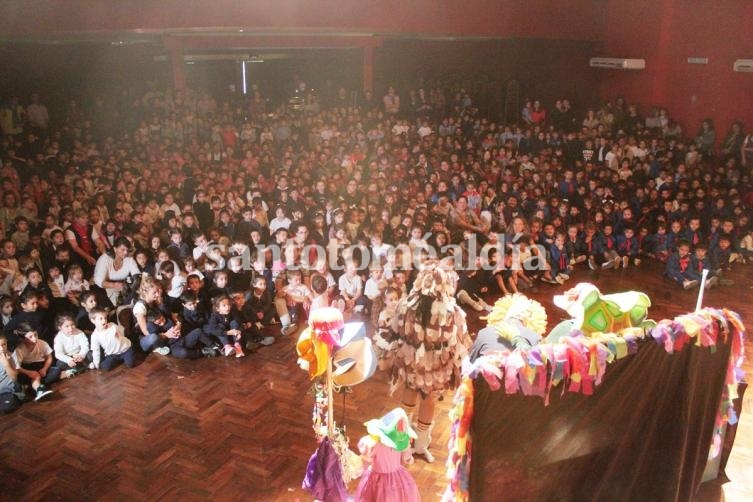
(580, 363)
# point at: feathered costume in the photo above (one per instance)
(433, 332)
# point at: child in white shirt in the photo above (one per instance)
(33, 359)
(109, 338)
(373, 290)
(71, 347)
(76, 284)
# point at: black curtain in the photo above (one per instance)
(644, 435)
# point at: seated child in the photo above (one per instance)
(56, 284)
(223, 328)
(321, 298)
(559, 259)
(746, 245)
(385, 340)
(192, 316)
(673, 236)
(351, 289)
(575, 246)
(608, 248)
(7, 278)
(28, 312)
(260, 307)
(35, 282)
(291, 298)
(628, 247)
(71, 347)
(88, 302)
(219, 284)
(76, 285)
(493, 275)
(173, 283)
(182, 347)
(33, 358)
(9, 386)
(659, 244)
(6, 310)
(678, 267)
(723, 256)
(701, 261)
(249, 326)
(373, 291)
(108, 337)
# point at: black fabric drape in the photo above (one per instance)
(643, 436)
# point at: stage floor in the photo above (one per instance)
(240, 429)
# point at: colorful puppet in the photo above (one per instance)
(342, 355)
(594, 313)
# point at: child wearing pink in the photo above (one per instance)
(386, 478)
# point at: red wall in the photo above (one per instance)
(502, 18)
(666, 34)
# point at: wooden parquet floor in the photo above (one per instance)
(228, 429)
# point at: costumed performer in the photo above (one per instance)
(434, 335)
(515, 321)
(386, 479)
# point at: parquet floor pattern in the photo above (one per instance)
(240, 429)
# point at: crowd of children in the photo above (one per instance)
(173, 212)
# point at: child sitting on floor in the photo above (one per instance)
(33, 358)
(222, 327)
(108, 337)
(71, 347)
(678, 267)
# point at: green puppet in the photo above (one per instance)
(594, 313)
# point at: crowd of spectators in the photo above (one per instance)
(136, 201)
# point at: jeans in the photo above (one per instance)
(185, 346)
(52, 376)
(150, 342)
(128, 358)
(83, 364)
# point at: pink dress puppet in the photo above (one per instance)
(386, 479)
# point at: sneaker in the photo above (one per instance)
(592, 264)
(287, 330)
(616, 263)
(209, 352)
(92, 367)
(267, 341)
(229, 350)
(625, 262)
(689, 284)
(42, 391)
(67, 374)
(549, 280)
(239, 351)
(559, 279)
(607, 264)
(711, 282)
(565, 276)
(163, 351)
